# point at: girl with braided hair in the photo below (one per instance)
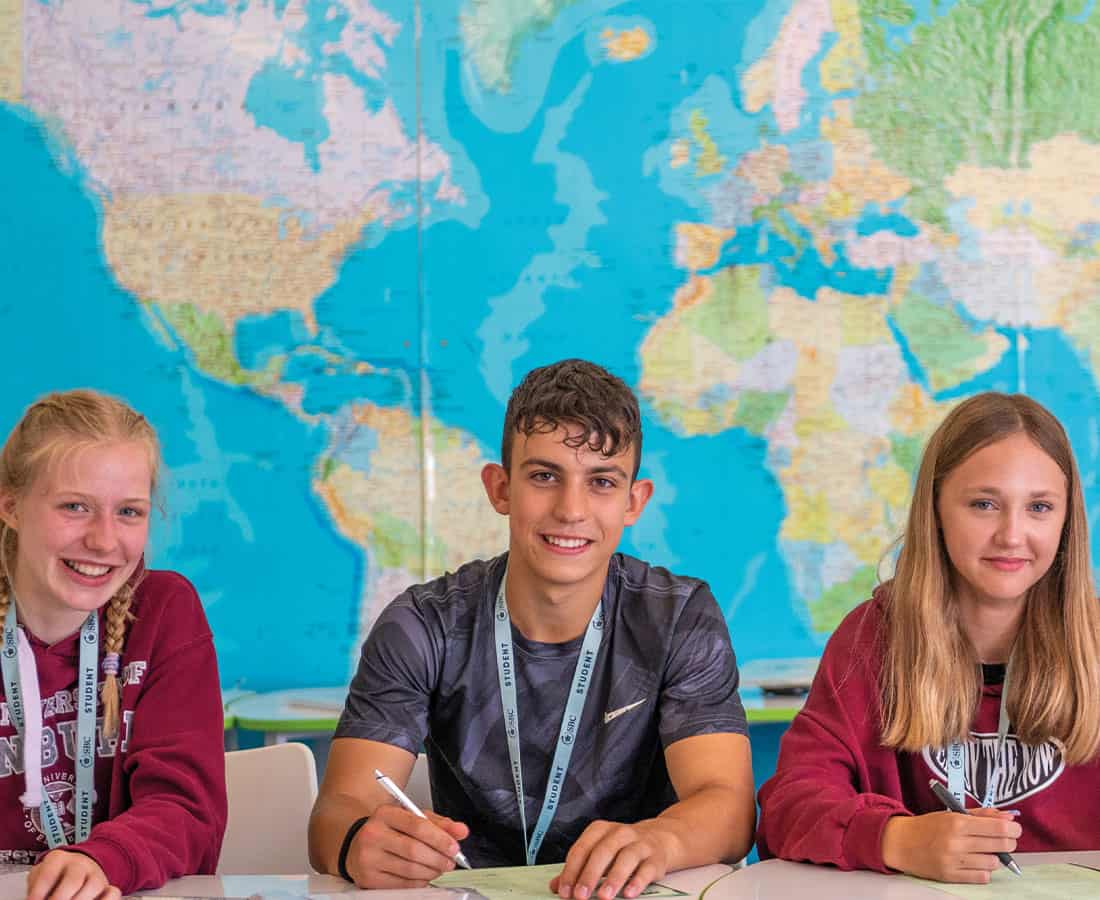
(109, 786)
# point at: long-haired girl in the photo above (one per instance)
(977, 666)
(112, 773)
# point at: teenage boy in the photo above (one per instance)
(575, 704)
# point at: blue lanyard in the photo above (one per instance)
(956, 753)
(570, 720)
(85, 724)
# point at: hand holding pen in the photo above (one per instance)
(946, 846)
(395, 848)
(947, 799)
(399, 795)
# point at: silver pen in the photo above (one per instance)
(947, 799)
(399, 795)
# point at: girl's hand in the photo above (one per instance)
(69, 875)
(947, 846)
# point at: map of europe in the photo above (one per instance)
(318, 242)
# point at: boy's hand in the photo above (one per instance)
(627, 857)
(396, 849)
(947, 846)
(68, 875)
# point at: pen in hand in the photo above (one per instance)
(945, 797)
(399, 795)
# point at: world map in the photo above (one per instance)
(318, 242)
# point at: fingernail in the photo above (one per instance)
(582, 893)
(564, 890)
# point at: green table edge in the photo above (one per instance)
(287, 726)
(761, 716)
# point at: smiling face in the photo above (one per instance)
(567, 508)
(82, 526)
(1001, 512)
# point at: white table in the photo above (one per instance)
(693, 881)
(778, 880)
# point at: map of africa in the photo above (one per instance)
(319, 241)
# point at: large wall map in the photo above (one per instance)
(318, 242)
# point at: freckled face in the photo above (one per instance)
(1002, 512)
(82, 527)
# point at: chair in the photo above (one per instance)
(271, 792)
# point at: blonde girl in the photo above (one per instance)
(977, 666)
(109, 784)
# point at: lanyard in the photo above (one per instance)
(570, 720)
(85, 723)
(956, 779)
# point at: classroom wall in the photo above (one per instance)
(318, 243)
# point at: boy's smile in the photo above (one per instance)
(567, 508)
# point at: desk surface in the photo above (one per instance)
(772, 880)
(778, 880)
(692, 881)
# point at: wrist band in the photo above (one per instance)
(342, 859)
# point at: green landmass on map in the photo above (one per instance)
(978, 84)
(211, 342)
(827, 611)
(944, 344)
(735, 314)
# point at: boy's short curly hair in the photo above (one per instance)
(596, 408)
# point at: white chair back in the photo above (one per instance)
(271, 793)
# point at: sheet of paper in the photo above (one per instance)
(522, 883)
(1045, 882)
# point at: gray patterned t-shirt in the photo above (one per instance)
(427, 677)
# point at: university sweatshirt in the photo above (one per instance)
(835, 786)
(160, 806)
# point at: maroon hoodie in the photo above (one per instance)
(160, 805)
(835, 786)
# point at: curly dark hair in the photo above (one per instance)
(598, 409)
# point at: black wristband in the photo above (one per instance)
(342, 859)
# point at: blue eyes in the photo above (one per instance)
(1039, 506)
(126, 512)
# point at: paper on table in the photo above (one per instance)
(1056, 882)
(522, 883)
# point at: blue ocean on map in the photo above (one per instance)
(241, 519)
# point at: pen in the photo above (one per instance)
(952, 804)
(399, 795)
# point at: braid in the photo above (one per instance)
(118, 614)
(6, 533)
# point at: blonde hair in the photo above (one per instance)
(52, 427)
(930, 682)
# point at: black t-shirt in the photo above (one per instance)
(427, 677)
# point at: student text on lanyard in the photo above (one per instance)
(14, 641)
(956, 752)
(570, 720)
